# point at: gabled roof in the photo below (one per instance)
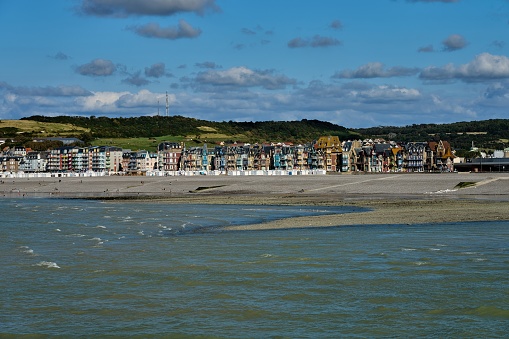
(381, 148)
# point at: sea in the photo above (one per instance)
(83, 268)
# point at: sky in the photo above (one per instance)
(355, 63)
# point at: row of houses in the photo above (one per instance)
(327, 154)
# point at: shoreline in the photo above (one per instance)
(390, 198)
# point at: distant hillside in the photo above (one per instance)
(487, 134)
(186, 128)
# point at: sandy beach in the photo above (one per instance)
(390, 198)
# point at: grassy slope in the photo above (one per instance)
(43, 129)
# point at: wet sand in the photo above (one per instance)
(390, 198)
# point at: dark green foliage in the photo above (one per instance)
(8, 132)
(486, 134)
(294, 131)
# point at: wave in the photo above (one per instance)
(47, 264)
(26, 250)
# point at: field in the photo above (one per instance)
(43, 129)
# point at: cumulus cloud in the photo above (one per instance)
(496, 97)
(315, 41)
(385, 93)
(97, 67)
(298, 43)
(153, 30)
(100, 102)
(497, 90)
(244, 77)
(143, 98)
(136, 80)
(454, 42)
(484, 67)
(375, 70)
(322, 41)
(125, 8)
(156, 70)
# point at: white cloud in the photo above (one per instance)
(97, 67)
(100, 101)
(144, 98)
(153, 30)
(380, 94)
(244, 77)
(484, 67)
(156, 70)
(124, 8)
(375, 70)
(454, 42)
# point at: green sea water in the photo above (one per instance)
(76, 268)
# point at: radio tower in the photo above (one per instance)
(167, 106)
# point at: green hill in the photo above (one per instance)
(485, 134)
(189, 129)
(147, 132)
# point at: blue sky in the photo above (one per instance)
(356, 63)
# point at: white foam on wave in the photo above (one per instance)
(98, 241)
(408, 249)
(100, 226)
(26, 250)
(58, 230)
(47, 264)
(77, 235)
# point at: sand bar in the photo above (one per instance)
(391, 198)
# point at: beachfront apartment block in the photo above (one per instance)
(83, 159)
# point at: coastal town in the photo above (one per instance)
(326, 155)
